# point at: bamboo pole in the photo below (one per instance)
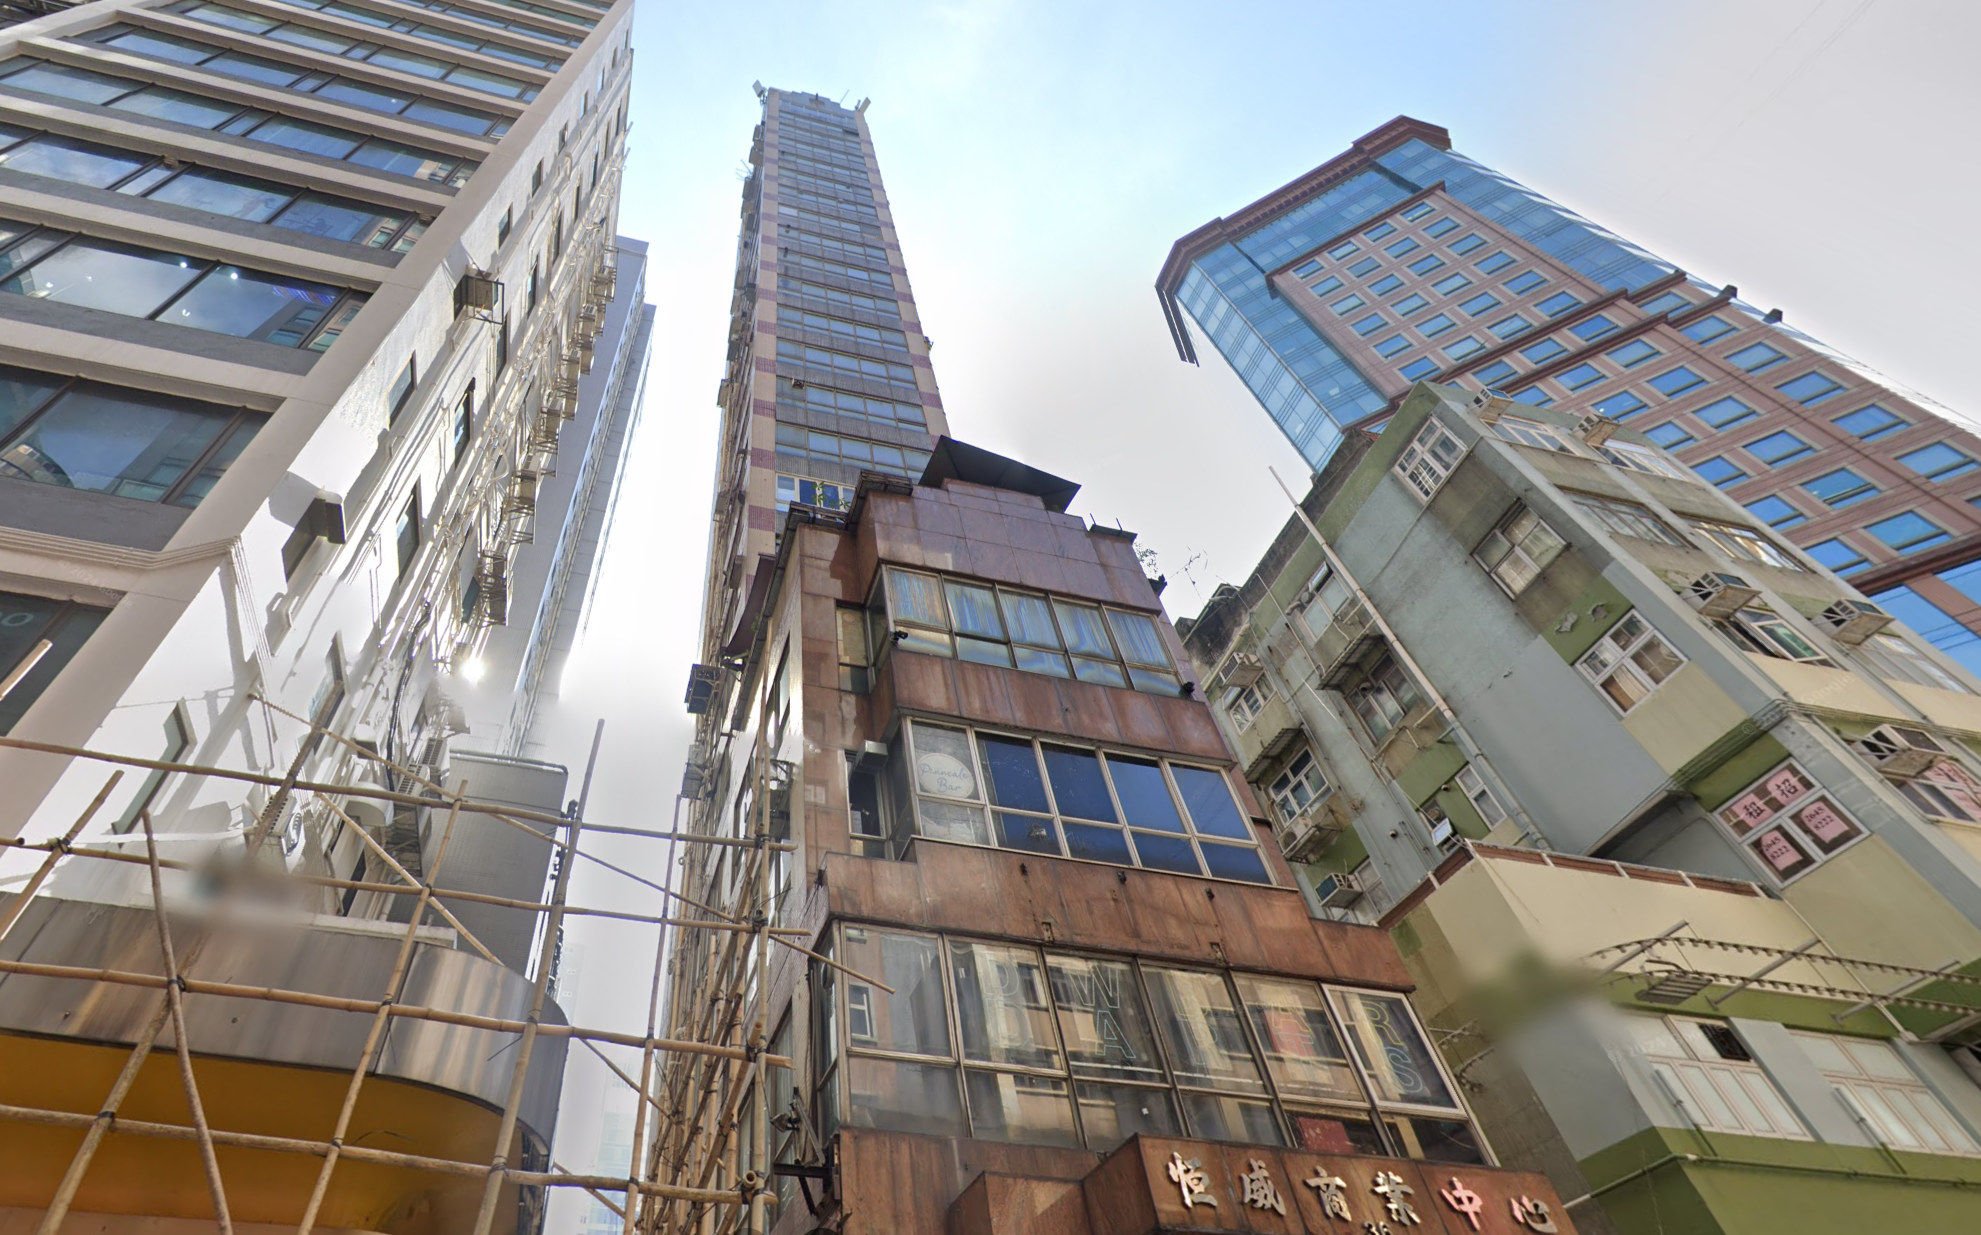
(425, 892)
(653, 1024)
(56, 850)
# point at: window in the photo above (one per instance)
(1429, 459)
(99, 438)
(1898, 659)
(1908, 532)
(1368, 325)
(1348, 304)
(1381, 287)
(1720, 471)
(1766, 633)
(1938, 462)
(1533, 396)
(1837, 555)
(1493, 263)
(1027, 630)
(1346, 248)
(1425, 265)
(1544, 351)
(1441, 227)
(1325, 286)
(406, 537)
(816, 445)
(1726, 413)
(1778, 448)
(1811, 388)
(1629, 662)
(1658, 306)
(1787, 823)
(1635, 458)
(1305, 270)
(1558, 304)
(1620, 406)
(805, 491)
(464, 422)
(402, 390)
(1365, 267)
(1525, 281)
(1518, 550)
(1384, 698)
(1633, 353)
(988, 789)
(1507, 327)
(1841, 487)
(1755, 357)
(1581, 377)
(1242, 704)
(1410, 304)
(504, 224)
(1869, 422)
(1874, 1083)
(1671, 435)
(1707, 329)
(1490, 375)
(1392, 345)
(1477, 792)
(1674, 382)
(1776, 512)
(1531, 433)
(1401, 247)
(1706, 1071)
(1418, 369)
(39, 636)
(1466, 244)
(1437, 324)
(1298, 787)
(1481, 303)
(1459, 349)
(1451, 285)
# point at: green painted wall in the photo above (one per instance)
(1588, 628)
(1428, 770)
(1716, 787)
(1346, 853)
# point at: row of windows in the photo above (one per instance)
(848, 157)
(877, 305)
(464, 12)
(1001, 1042)
(838, 211)
(815, 170)
(790, 351)
(314, 38)
(65, 81)
(792, 392)
(201, 293)
(544, 10)
(796, 259)
(806, 491)
(854, 451)
(831, 246)
(234, 196)
(100, 438)
(990, 625)
(853, 331)
(819, 223)
(438, 34)
(813, 189)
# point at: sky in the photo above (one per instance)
(1041, 156)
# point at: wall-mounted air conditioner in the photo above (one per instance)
(1718, 594)
(1854, 621)
(1595, 428)
(1338, 891)
(1901, 750)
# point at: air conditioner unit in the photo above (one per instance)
(1717, 594)
(1854, 621)
(702, 681)
(1243, 669)
(478, 291)
(1303, 838)
(1901, 750)
(1338, 891)
(1595, 429)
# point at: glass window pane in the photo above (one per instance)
(237, 197)
(1002, 1007)
(202, 482)
(1012, 768)
(1029, 618)
(369, 97)
(67, 82)
(1009, 1106)
(67, 634)
(100, 274)
(249, 305)
(1139, 640)
(1201, 1029)
(1167, 853)
(916, 598)
(903, 1097)
(177, 106)
(1208, 798)
(408, 62)
(106, 440)
(77, 162)
(1099, 672)
(1105, 1023)
(1097, 844)
(1032, 833)
(449, 116)
(1144, 793)
(952, 821)
(974, 610)
(1216, 1118)
(1303, 1052)
(1393, 1054)
(1038, 660)
(1240, 862)
(981, 651)
(1077, 784)
(21, 392)
(1113, 1113)
(943, 764)
(1438, 1140)
(912, 1020)
(301, 135)
(1335, 1132)
(1082, 625)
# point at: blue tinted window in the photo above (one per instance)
(1459, 349)
(1534, 395)
(1558, 304)
(1325, 286)
(1718, 470)
(1436, 325)
(1726, 413)
(1387, 284)
(1837, 555)
(1348, 303)
(1938, 462)
(1493, 263)
(1379, 231)
(1870, 422)
(1581, 376)
(1620, 406)
(1658, 306)
(1674, 382)
(1810, 388)
(1525, 281)
(1344, 249)
(1778, 448)
(1418, 211)
(1410, 304)
(1363, 267)
(1392, 345)
(1756, 357)
(1589, 329)
(1776, 512)
(1401, 247)
(1635, 352)
(1465, 244)
(1841, 487)
(1707, 328)
(1425, 265)
(1495, 373)
(1441, 228)
(1545, 350)
(1368, 325)
(1908, 532)
(1671, 435)
(1419, 368)
(1306, 268)
(1507, 327)
(1451, 285)
(1480, 303)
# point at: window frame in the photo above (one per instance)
(1513, 547)
(1770, 805)
(1623, 662)
(1422, 465)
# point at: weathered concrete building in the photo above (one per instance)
(1568, 721)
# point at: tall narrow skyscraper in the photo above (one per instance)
(1402, 259)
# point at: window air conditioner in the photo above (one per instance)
(1595, 428)
(1854, 621)
(1901, 750)
(1303, 838)
(478, 291)
(1717, 594)
(1338, 891)
(1243, 669)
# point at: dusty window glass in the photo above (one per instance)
(1303, 1052)
(1202, 1030)
(1014, 1106)
(903, 1097)
(1104, 1020)
(913, 1020)
(1390, 1048)
(1002, 1006)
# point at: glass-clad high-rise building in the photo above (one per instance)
(1402, 259)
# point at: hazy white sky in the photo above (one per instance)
(1042, 155)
